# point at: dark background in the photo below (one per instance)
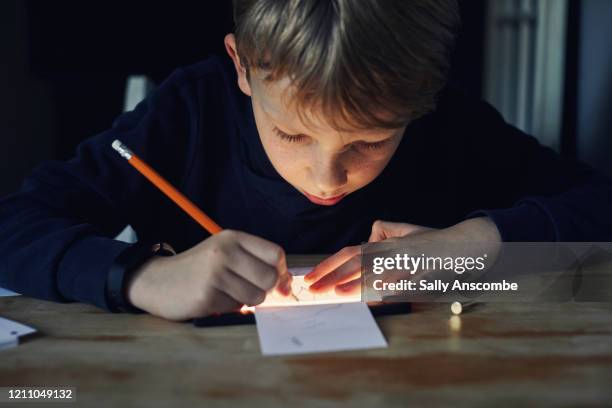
(65, 63)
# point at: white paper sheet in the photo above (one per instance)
(301, 271)
(6, 292)
(8, 342)
(317, 328)
(318, 322)
(301, 296)
(10, 332)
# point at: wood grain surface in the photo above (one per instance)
(493, 355)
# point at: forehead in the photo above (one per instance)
(275, 100)
(273, 97)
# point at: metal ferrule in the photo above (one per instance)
(122, 149)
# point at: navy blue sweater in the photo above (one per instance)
(197, 129)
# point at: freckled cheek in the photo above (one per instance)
(288, 160)
(364, 167)
(363, 171)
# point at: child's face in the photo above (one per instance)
(322, 163)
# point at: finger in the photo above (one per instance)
(283, 286)
(267, 251)
(220, 303)
(332, 263)
(344, 273)
(349, 288)
(383, 230)
(253, 269)
(271, 254)
(238, 288)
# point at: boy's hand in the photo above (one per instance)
(342, 270)
(391, 231)
(218, 275)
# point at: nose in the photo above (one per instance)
(329, 175)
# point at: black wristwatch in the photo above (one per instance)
(124, 264)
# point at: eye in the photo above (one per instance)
(371, 146)
(289, 138)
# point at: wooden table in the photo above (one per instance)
(503, 354)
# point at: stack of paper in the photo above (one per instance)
(10, 332)
(315, 323)
(317, 328)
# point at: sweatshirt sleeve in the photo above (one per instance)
(56, 231)
(545, 196)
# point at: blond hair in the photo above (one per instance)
(361, 63)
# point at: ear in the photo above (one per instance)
(230, 47)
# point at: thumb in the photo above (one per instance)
(382, 230)
(285, 278)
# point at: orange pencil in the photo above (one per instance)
(167, 188)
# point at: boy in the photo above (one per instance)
(333, 115)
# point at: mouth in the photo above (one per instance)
(324, 201)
